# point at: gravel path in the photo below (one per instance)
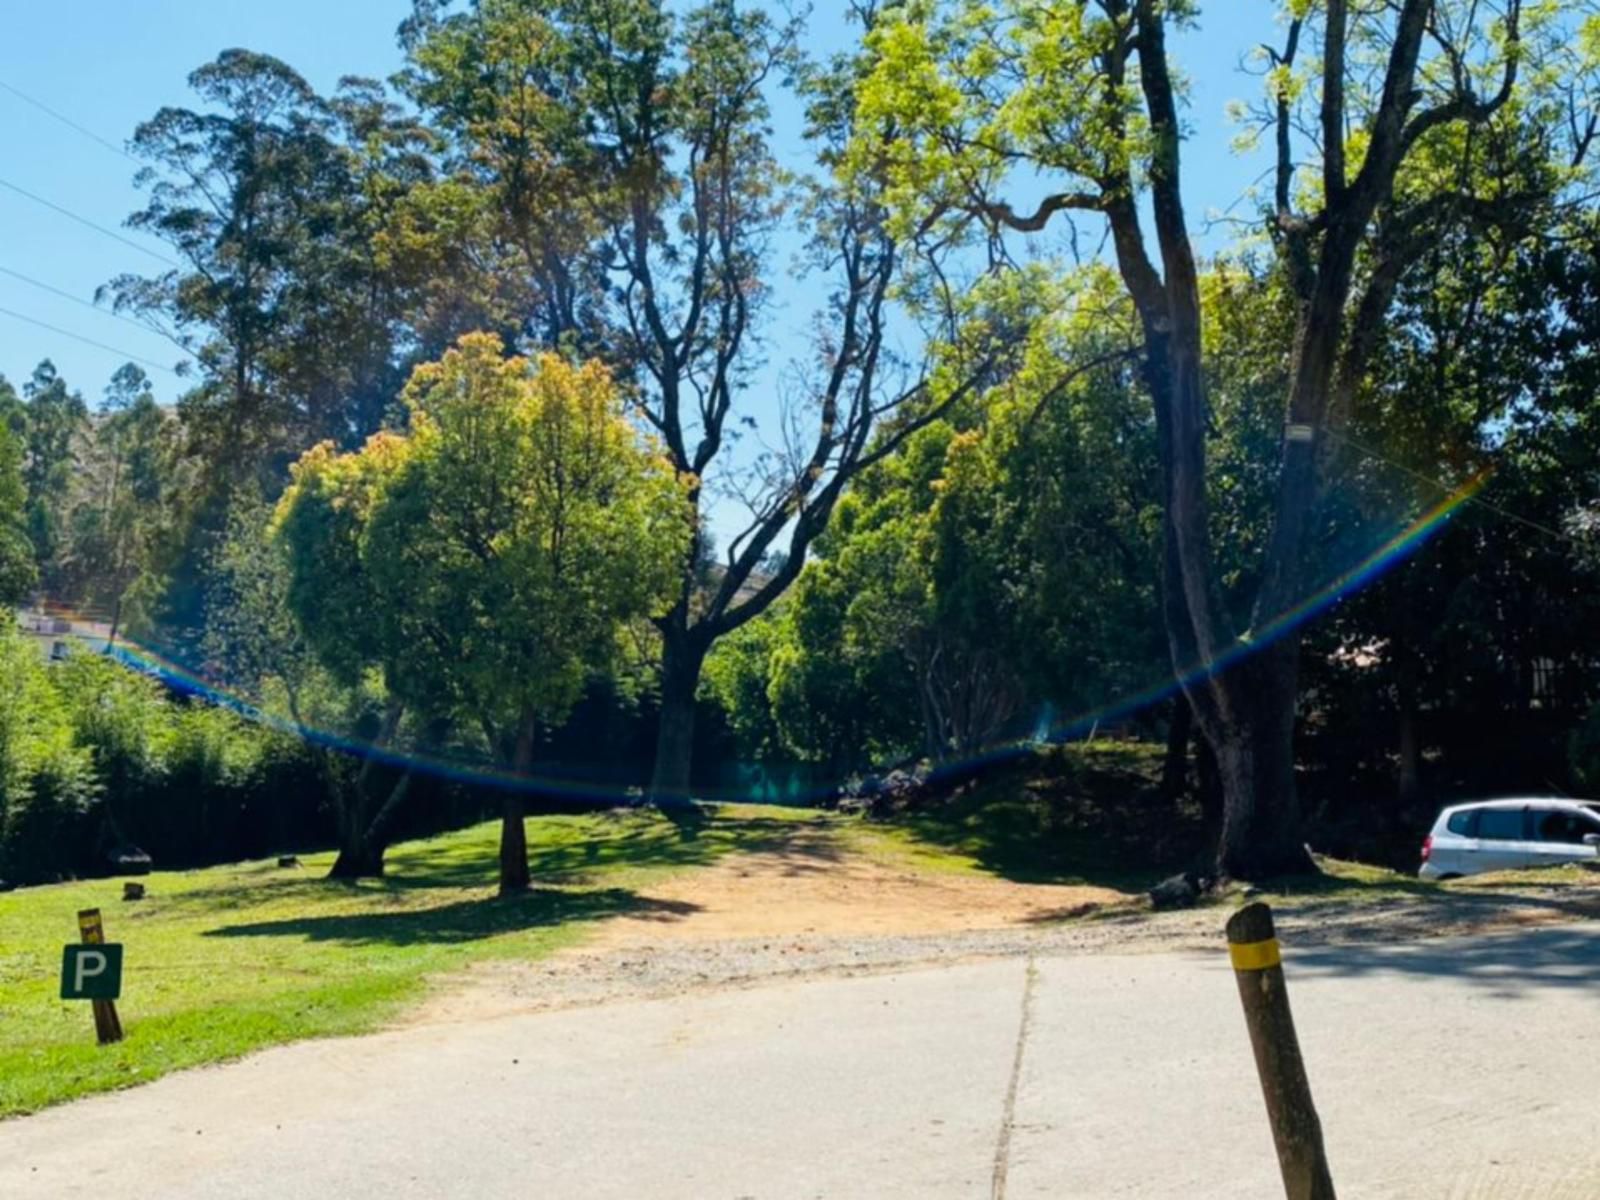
(642, 967)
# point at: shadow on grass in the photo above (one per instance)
(1067, 815)
(465, 921)
(625, 840)
(1011, 839)
(562, 853)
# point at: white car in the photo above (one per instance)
(1502, 835)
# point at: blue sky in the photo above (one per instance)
(108, 65)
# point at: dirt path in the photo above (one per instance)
(815, 905)
(815, 884)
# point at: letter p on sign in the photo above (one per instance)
(91, 972)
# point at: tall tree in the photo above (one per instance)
(122, 496)
(56, 420)
(18, 571)
(648, 229)
(1083, 93)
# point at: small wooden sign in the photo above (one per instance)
(107, 1025)
(91, 972)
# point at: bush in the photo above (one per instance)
(94, 756)
(50, 827)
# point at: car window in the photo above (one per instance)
(1559, 826)
(1464, 822)
(1504, 823)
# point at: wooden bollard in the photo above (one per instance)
(107, 1026)
(1253, 949)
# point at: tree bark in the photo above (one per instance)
(682, 656)
(514, 877)
(361, 839)
(357, 859)
(1175, 767)
(1208, 789)
(1260, 835)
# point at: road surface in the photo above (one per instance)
(1463, 1068)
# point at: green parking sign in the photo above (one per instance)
(92, 972)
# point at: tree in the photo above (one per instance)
(316, 564)
(996, 565)
(55, 421)
(646, 229)
(497, 550)
(1085, 95)
(315, 262)
(123, 495)
(18, 572)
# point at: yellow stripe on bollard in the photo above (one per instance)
(1254, 956)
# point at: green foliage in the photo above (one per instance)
(300, 256)
(18, 570)
(54, 419)
(47, 780)
(94, 755)
(1001, 560)
(123, 500)
(488, 561)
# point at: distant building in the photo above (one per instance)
(56, 634)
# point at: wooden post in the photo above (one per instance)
(1253, 949)
(107, 1027)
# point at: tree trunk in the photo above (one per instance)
(1254, 750)
(1410, 750)
(681, 660)
(358, 859)
(1175, 767)
(514, 876)
(1208, 789)
(361, 840)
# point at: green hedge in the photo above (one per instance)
(94, 756)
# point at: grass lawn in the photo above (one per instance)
(222, 961)
(1077, 814)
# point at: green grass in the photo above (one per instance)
(1071, 815)
(1358, 883)
(222, 961)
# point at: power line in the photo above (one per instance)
(68, 213)
(79, 300)
(67, 121)
(78, 337)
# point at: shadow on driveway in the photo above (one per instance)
(1507, 966)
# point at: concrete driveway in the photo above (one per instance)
(1460, 1068)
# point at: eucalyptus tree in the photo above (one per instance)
(18, 571)
(298, 256)
(1077, 102)
(55, 423)
(122, 498)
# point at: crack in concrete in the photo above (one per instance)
(1002, 1149)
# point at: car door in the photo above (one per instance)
(1556, 836)
(1501, 842)
(1454, 848)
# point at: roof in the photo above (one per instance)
(1524, 801)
